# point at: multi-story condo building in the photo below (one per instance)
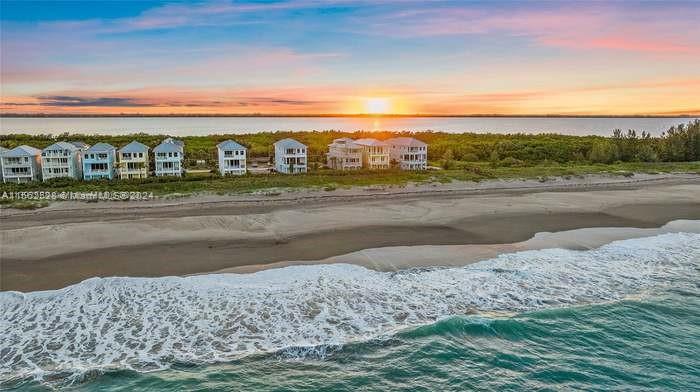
(168, 157)
(61, 159)
(21, 164)
(290, 156)
(133, 160)
(99, 162)
(232, 158)
(375, 153)
(344, 154)
(408, 152)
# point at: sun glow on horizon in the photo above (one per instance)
(377, 105)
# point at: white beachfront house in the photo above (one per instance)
(344, 154)
(21, 164)
(2, 151)
(408, 152)
(168, 157)
(375, 153)
(99, 162)
(61, 159)
(133, 160)
(290, 156)
(232, 158)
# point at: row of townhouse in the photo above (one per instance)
(80, 161)
(103, 161)
(347, 154)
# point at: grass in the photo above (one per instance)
(330, 180)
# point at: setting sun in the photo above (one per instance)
(377, 105)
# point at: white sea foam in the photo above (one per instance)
(150, 323)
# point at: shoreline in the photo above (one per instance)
(184, 239)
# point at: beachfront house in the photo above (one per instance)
(99, 162)
(409, 153)
(232, 158)
(168, 157)
(2, 151)
(290, 156)
(61, 159)
(344, 154)
(21, 164)
(375, 153)
(133, 160)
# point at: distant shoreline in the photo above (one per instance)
(355, 115)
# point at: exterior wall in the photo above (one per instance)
(61, 163)
(290, 162)
(169, 163)
(21, 169)
(341, 157)
(99, 165)
(375, 157)
(232, 161)
(410, 158)
(133, 164)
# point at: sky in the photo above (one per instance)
(334, 56)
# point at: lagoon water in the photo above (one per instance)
(623, 316)
(200, 126)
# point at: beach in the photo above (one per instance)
(380, 228)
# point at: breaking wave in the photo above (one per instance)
(144, 324)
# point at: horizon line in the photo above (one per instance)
(357, 115)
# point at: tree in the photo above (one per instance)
(603, 152)
(447, 159)
(494, 158)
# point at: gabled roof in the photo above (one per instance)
(3, 149)
(22, 151)
(289, 143)
(229, 145)
(405, 141)
(168, 147)
(370, 142)
(101, 147)
(80, 145)
(344, 141)
(62, 146)
(134, 146)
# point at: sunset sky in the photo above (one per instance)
(311, 57)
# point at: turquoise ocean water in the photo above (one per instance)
(625, 316)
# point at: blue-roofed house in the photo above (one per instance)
(61, 159)
(232, 158)
(99, 162)
(133, 160)
(290, 156)
(21, 164)
(168, 157)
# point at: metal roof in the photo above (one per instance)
(168, 146)
(289, 143)
(62, 146)
(101, 147)
(229, 145)
(22, 151)
(370, 142)
(134, 146)
(405, 141)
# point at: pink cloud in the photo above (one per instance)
(572, 27)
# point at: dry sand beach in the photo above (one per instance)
(381, 228)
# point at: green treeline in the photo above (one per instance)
(679, 144)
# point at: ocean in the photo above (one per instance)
(623, 316)
(202, 126)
